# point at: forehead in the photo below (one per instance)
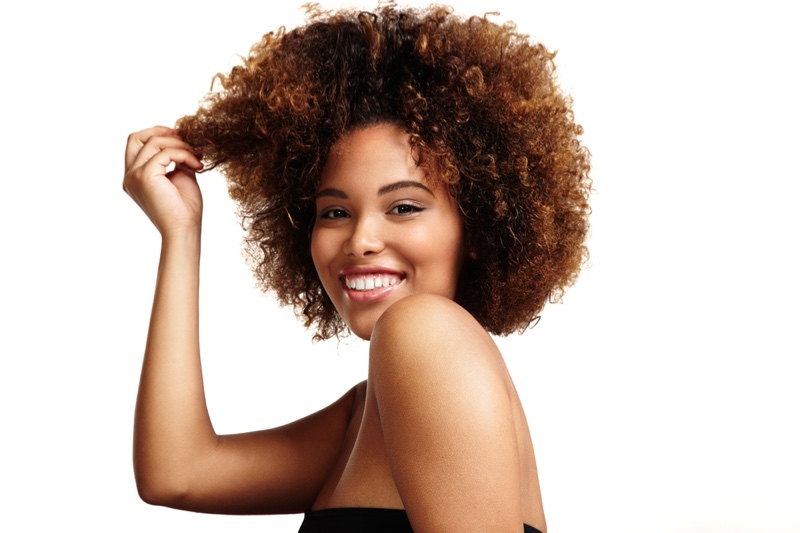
(372, 155)
(385, 134)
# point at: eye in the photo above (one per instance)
(406, 209)
(333, 213)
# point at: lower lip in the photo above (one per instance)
(366, 297)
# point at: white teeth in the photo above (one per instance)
(370, 282)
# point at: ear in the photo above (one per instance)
(469, 246)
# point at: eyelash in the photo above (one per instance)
(329, 213)
(410, 209)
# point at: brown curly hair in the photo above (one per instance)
(480, 103)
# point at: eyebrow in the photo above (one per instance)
(386, 189)
(330, 191)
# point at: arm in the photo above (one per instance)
(444, 404)
(179, 460)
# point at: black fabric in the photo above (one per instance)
(363, 520)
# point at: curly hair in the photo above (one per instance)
(480, 103)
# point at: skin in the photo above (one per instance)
(378, 214)
(415, 435)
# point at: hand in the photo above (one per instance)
(171, 200)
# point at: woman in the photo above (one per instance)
(408, 175)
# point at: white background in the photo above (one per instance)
(662, 395)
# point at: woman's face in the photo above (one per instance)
(382, 232)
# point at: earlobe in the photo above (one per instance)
(469, 246)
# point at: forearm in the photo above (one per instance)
(172, 429)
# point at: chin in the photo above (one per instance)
(362, 330)
(361, 324)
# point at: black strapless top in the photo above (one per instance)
(363, 520)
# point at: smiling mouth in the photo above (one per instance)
(370, 282)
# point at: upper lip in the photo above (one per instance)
(363, 270)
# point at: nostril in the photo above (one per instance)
(364, 240)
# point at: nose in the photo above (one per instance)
(365, 238)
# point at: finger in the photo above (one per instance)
(155, 144)
(181, 168)
(157, 165)
(137, 140)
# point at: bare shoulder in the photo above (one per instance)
(428, 333)
(428, 343)
(446, 407)
(423, 321)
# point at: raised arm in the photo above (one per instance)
(179, 461)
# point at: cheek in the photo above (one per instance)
(453, 238)
(324, 254)
(440, 245)
(453, 226)
(318, 252)
(321, 257)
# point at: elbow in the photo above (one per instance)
(166, 479)
(150, 495)
(156, 490)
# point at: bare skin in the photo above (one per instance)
(443, 437)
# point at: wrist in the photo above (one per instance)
(181, 237)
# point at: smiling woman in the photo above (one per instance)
(409, 175)
(381, 234)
